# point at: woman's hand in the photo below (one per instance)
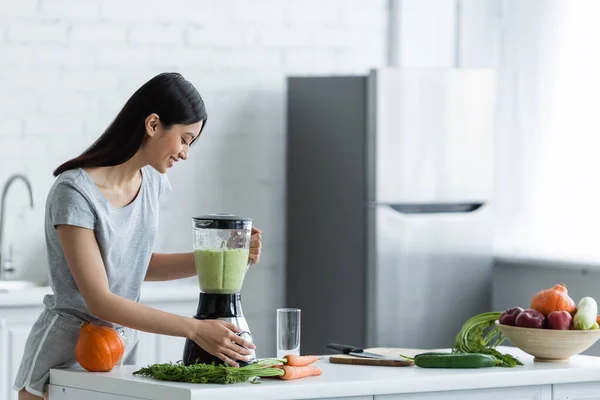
(219, 339)
(255, 245)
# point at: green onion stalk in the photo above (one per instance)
(479, 334)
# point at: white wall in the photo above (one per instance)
(551, 77)
(67, 66)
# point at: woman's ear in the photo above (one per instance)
(151, 124)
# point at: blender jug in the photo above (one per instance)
(221, 255)
(221, 250)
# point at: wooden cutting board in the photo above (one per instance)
(391, 352)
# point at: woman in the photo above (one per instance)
(101, 220)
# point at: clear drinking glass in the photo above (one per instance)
(288, 332)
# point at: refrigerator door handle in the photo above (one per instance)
(436, 208)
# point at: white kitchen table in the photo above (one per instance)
(579, 378)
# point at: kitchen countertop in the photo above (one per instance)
(170, 291)
(340, 380)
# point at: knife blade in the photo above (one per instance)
(358, 352)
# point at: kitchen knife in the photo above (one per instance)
(358, 352)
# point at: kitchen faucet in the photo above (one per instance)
(2, 207)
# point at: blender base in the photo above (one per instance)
(224, 307)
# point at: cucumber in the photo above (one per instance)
(432, 353)
(424, 354)
(460, 360)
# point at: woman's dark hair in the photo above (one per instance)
(170, 95)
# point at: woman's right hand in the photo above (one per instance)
(219, 339)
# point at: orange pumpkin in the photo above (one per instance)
(555, 298)
(99, 348)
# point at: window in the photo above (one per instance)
(548, 164)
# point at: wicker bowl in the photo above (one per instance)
(550, 345)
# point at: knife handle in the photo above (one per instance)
(344, 348)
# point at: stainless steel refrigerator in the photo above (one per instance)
(388, 204)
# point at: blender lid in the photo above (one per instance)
(222, 221)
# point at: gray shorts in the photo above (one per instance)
(51, 344)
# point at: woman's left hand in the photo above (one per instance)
(255, 245)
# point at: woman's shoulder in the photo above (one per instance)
(71, 179)
(70, 202)
(70, 176)
(69, 183)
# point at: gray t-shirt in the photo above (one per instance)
(125, 237)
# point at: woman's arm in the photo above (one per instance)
(165, 267)
(85, 262)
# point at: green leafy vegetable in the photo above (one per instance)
(480, 335)
(211, 373)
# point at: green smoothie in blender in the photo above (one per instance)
(221, 271)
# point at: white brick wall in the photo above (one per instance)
(67, 66)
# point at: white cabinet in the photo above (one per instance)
(63, 393)
(4, 385)
(577, 391)
(170, 348)
(17, 336)
(15, 325)
(159, 349)
(147, 348)
(515, 393)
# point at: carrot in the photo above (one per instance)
(301, 361)
(290, 373)
(598, 319)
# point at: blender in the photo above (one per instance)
(221, 250)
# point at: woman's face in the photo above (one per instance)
(165, 147)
